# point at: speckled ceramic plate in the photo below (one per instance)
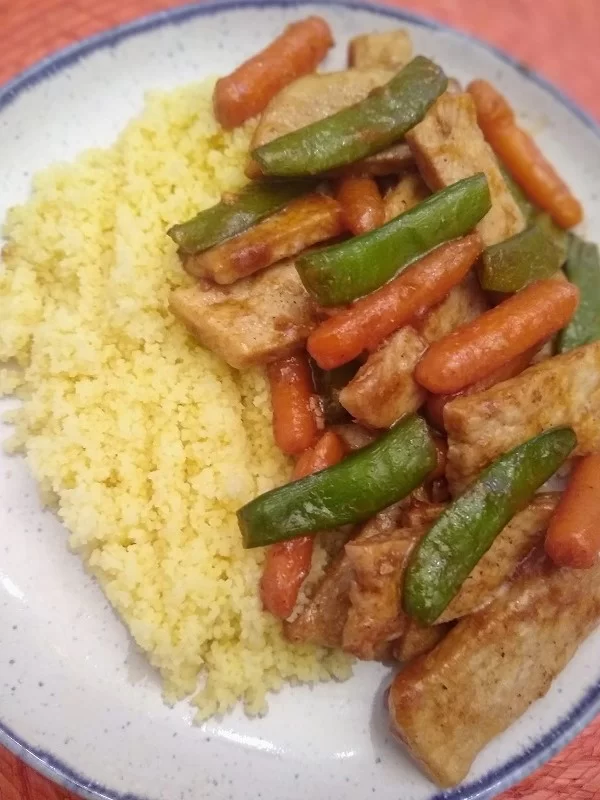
(77, 701)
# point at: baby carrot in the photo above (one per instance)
(573, 538)
(437, 402)
(294, 404)
(520, 154)
(288, 563)
(362, 205)
(476, 349)
(247, 91)
(372, 319)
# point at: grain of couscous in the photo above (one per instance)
(144, 442)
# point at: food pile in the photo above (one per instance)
(431, 368)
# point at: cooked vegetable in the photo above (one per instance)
(320, 95)
(475, 350)
(372, 319)
(522, 157)
(437, 402)
(295, 423)
(288, 563)
(234, 214)
(314, 97)
(304, 222)
(246, 92)
(460, 537)
(361, 203)
(360, 130)
(573, 538)
(583, 269)
(329, 383)
(367, 481)
(343, 272)
(517, 541)
(529, 256)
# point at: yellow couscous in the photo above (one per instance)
(145, 443)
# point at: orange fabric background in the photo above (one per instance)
(559, 38)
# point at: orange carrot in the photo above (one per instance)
(477, 349)
(295, 423)
(288, 563)
(573, 538)
(520, 154)
(370, 320)
(361, 202)
(247, 91)
(437, 402)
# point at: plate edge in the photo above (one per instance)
(495, 781)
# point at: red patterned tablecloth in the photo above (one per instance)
(559, 38)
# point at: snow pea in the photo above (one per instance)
(360, 130)
(358, 487)
(340, 273)
(451, 548)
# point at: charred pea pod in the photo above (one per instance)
(451, 548)
(372, 478)
(234, 214)
(583, 269)
(536, 253)
(359, 131)
(341, 273)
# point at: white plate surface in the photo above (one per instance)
(76, 698)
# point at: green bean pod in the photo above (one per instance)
(451, 548)
(234, 214)
(532, 255)
(360, 130)
(358, 487)
(343, 272)
(583, 269)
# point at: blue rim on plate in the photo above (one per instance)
(569, 726)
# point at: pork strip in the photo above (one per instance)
(447, 706)
(409, 192)
(323, 619)
(375, 617)
(314, 97)
(564, 390)
(254, 321)
(448, 145)
(417, 640)
(384, 390)
(386, 50)
(520, 537)
(464, 303)
(304, 222)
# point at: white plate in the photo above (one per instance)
(76, 699)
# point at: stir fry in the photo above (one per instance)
(400, 263)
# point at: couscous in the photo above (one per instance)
(145, 443)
